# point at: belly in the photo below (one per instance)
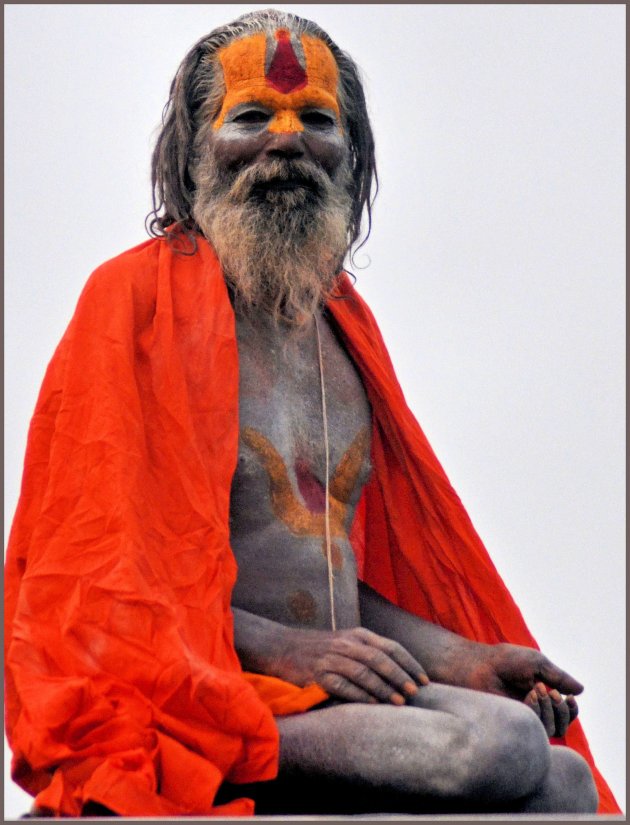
(285, 578)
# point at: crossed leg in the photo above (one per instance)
(450, 750)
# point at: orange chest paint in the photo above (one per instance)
(282, 72)
(307, 518)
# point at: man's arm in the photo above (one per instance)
(507, 670)
(439, 650)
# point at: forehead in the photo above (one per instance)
(280, 70)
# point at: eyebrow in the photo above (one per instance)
(245, 105)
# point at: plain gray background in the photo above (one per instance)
(496, 263)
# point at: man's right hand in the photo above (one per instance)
(356, 665)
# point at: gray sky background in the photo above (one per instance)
(495, 267)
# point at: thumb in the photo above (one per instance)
(554, 677)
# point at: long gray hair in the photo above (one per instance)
(195, 98)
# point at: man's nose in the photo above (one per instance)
(287, 145)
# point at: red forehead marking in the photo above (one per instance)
(285, 73)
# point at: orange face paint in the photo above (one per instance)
(281, 72)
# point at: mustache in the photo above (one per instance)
(279, 175)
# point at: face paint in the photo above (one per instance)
(281, 72)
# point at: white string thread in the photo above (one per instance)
(331, 583)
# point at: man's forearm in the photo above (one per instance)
(259, 642)
(266, 646)
(438, 650)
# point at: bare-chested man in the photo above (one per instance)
(277, 197)
(276, 171)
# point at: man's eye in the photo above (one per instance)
(251, 116)
(317, 119)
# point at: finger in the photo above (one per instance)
(364, 677)
(573, 708)
(387, 668)
(561, 712)
(397, 653)
(531, 700)
(337, 685)
(556, 678)
(368, 667)
(546, 709)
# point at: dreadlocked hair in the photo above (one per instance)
(195, 99)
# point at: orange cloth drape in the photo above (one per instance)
(122, 684)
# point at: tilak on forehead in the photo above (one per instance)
(282, 72)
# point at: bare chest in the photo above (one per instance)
(280, 396)
(279, 489)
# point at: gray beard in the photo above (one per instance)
(281, 249)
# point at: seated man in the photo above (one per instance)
(193, 411)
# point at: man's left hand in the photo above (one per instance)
(525, 674)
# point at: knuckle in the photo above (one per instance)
(325, 662)
(332, 682)
(361, 673)
(341, 645)
(390, 646)
(373, 657)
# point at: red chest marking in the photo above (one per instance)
(311, 490)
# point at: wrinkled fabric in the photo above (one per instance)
(122, 683)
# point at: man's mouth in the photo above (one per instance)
(285, 185)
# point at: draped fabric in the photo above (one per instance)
(122, 683)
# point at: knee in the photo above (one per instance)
(572, 782)
(511, 754)
(501, 755)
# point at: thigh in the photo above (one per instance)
(380, 744)
(451, 749)
(441, 723)
(484, 710)
(356, 758)
(375, 757)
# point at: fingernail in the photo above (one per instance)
(410, 688)
(555, 696)
(541, 689)
(423, 679)
(397, 699)
(533, 697)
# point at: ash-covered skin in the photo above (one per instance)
(279, 547)
(274, 198)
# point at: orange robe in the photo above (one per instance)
(122, 683)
